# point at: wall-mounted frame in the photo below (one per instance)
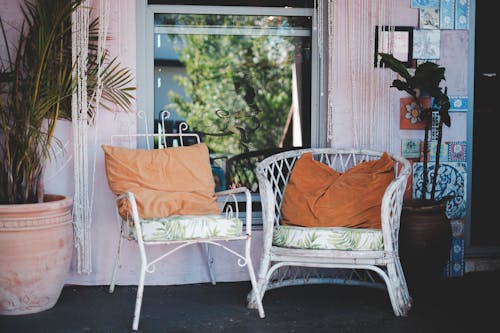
(397, 40)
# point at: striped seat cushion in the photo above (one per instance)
(329, 238)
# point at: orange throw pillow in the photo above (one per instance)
(351, 199)
(170, 181)
(309, 180)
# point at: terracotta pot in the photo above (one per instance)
(425, 240)
(36, 245)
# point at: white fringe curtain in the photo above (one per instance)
(358, 94)
(81, 118)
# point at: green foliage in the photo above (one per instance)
(238, 88)
(36, 85)
(424, 83)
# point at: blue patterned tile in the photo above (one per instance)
(424, 3)
(458, 228)
(451, 181)
(459, 103)
(447, 14)
(462, 14)
(455, 266)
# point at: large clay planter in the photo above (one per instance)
(36, 245)
(425, 239)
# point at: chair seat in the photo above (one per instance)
(330, 238)
(188, 227)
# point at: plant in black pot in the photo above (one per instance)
(425, 235)
(37, 81)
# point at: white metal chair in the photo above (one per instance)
(137, 229)
(289, 262)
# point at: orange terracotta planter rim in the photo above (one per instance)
(51, 212)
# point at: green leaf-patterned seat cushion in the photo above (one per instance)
(329, 238)
(187, 227)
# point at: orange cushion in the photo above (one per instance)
(308, 181)
(351, 199)
(171, 181)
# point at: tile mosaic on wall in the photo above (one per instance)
(410, 117)
(457, 151)
(443, 153)
(459, 103)
(451, 181)
(455, 266)
(462, 14)
(447, 14)
(410, 148)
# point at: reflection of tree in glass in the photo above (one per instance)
(247, 77)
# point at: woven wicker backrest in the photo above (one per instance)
(276, 169)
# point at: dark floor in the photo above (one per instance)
(467, 304)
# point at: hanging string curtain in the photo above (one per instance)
(358, 93)
(84, 111)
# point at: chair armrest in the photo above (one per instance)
(390, 211)
(234, 196)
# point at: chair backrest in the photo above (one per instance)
(273, 172)
(240, 169)
(156, 140)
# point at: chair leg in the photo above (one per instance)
(210, 262)
(400, 297)
(252, 298)
(255, 287)
(138, 301)
(115, 268)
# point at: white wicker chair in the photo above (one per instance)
(283, 265)
(206, 231)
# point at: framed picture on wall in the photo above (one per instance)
(397, 40)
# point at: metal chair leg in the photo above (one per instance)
(115, 268)
(138, 301)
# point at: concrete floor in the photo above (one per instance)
(467, 304)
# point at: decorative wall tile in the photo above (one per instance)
(410, 148)
(428, 18)
(424, 3)
(462, 14)
(459, 103)
(458, 228)
(426, 43)
(455, 266)
(457, 151)
(447, 14)
(443, 153)
(410, 117)
(451, 181)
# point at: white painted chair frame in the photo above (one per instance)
(148, 265)
(351, 267)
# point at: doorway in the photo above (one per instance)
(484, 232)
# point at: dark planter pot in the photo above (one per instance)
(424, 243)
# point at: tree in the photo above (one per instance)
(238, 88)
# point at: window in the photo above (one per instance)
(242, 77)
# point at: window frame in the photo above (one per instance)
(145, 57)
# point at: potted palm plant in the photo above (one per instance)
(425, 233)
(36, 86)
